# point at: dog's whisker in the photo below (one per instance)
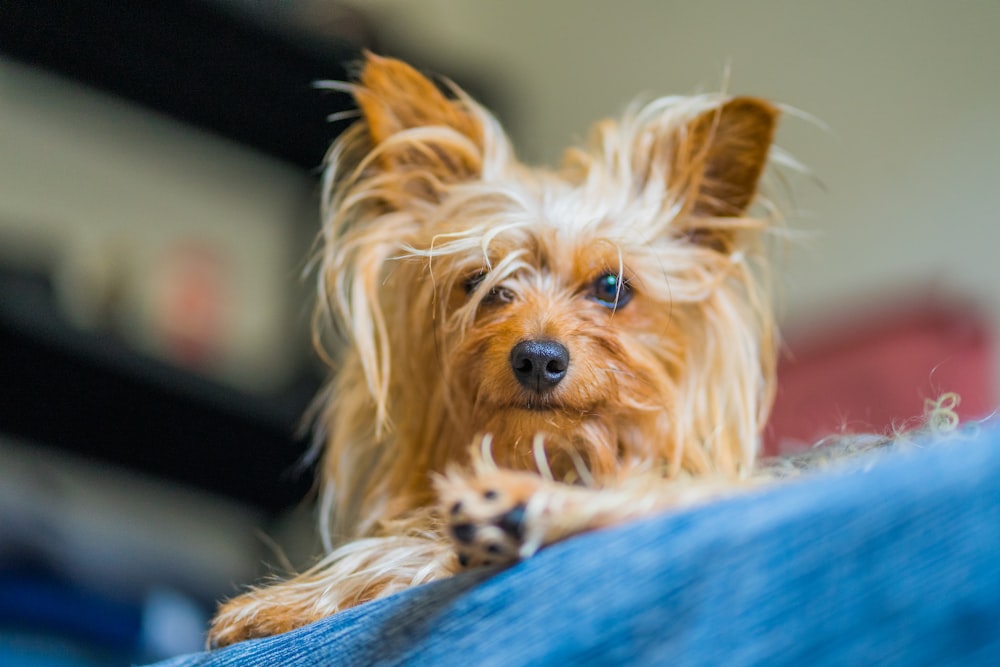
(541, 461)
(581, 467)
(343, 115)
(616, 371)
(486, 450)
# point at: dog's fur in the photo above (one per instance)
(636, 266)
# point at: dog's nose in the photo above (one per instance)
(539, 364)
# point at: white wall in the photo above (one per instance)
(909, 88)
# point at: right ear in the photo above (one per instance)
(720, 155)
(413, 126)
(718, 159)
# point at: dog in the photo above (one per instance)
(522, 354)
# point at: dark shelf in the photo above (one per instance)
(195, 61)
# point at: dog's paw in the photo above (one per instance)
(486, 515)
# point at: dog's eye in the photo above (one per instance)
(496, 295)
(611, 290)
(473, 281)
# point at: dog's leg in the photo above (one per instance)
(499, 516)
(355, 573)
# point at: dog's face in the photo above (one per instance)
(611, 307)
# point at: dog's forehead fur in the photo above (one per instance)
(544, 230)
(552, 227)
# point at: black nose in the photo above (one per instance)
(539, 364)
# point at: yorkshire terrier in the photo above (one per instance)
(523, 354)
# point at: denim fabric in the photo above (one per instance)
(896, 562)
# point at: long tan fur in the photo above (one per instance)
(440, 252)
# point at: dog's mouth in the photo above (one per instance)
(548, 403)
(537, 406)
(535, 402)
(532, 407)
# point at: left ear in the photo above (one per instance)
(719, 156)
(394, 99)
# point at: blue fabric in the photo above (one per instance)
(894, 563)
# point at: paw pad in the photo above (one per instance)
(512, 522)
(487, 525)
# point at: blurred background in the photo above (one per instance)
(158, 198)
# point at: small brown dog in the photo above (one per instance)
(524, 354)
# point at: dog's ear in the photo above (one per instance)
(413, 125)
(719, 157)
(717, 161)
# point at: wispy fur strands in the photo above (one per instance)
(410, 213)
(600, 333)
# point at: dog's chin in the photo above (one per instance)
(516, 430)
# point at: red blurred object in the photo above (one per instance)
(876, 372)
(191, 313)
